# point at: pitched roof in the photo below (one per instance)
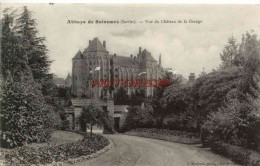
(125, 61)
(79, 55)
(148, 56)
(84, 102)
(96, 46)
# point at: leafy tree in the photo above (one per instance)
(94, 115)
(160, 111)
(138, 117)
(251, 54)
(138, 97)
(121, 97)
(233, 121)
(229, 55)
(24, 114)
(235, 124)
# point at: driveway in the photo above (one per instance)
(132, 150)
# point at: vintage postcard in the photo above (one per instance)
(129, 84)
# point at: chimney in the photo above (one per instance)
(131, 56)
(191, 77)
(134, 59)
(140, 50)
(104, 43)
(114, 55)
(89, 42)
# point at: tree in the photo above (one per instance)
(203, 72)
(25, 115)
(251, 63)
(11, 57)
(33, 45)
(232, 120)
(138, 97)
(94, 115)
(121, 97)
(160, 111)
(138, 117)
(229, 55)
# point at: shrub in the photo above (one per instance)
(24, 113)
(48, 154)
(234, 124)
(236, 153)
(65, 124)
(138, 117)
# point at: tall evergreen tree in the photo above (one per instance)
(37, 53)
(34, 46)
(24, 114)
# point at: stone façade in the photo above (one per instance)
(110, 67)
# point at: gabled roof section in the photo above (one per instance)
(79, 55)
(148, 56)
(96, 46)
(125, 61)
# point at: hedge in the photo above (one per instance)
(237, 154)
(49, 154)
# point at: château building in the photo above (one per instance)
(95, 62)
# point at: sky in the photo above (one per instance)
(184, 47)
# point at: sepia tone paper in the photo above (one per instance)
(130, 84)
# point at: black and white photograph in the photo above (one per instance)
(98, 84)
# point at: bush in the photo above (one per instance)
(24, 113)
(236, 153)
(179, 122)
(65, 124)
(166, 132)
(138, 117)
(234, 124)
(48, 154)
